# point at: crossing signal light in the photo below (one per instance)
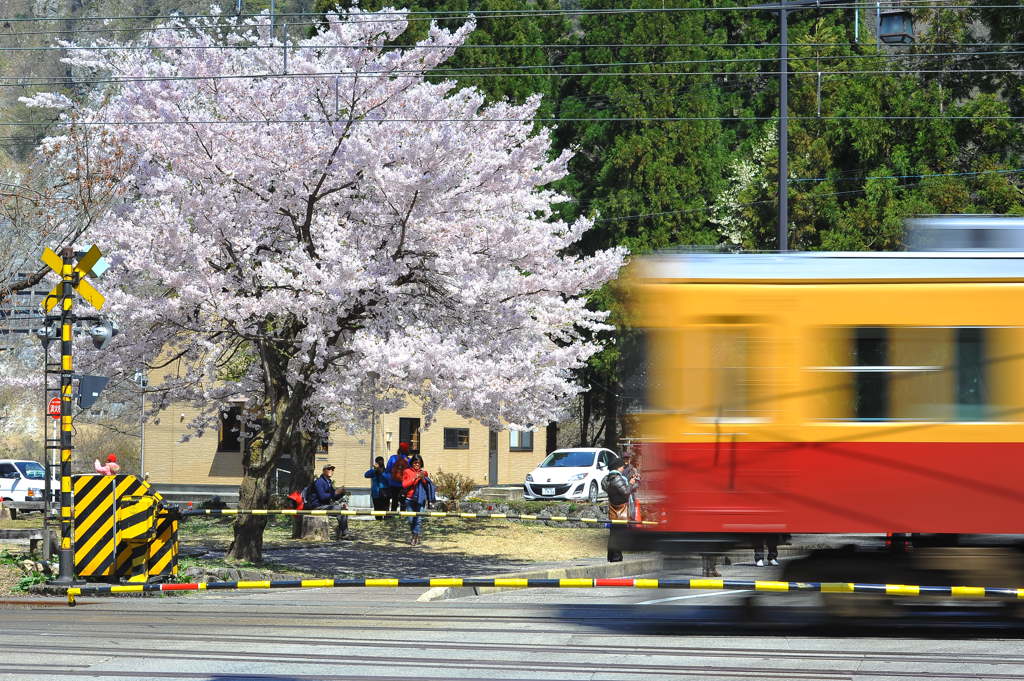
(102, 333)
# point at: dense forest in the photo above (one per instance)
(672, 114)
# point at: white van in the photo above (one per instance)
(23, 480)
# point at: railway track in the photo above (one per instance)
(274, 639)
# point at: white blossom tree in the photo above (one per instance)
(317, 227)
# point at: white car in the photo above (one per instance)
(569, 474)
(23, 480)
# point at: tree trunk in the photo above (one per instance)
(278, 431)
(611, 417)
(303, 456)
(551, 438)
(254, 492)
(585, 421)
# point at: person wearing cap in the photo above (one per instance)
(632, 473)
(619, 490)
(324, 497)
(111, 467)
(395, 469)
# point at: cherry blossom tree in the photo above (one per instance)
(316, 227)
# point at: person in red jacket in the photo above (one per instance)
(411, 477)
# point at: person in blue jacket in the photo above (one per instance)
(323, 496)
(397, 464)
(379, 487)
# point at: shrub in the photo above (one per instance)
(453, 486)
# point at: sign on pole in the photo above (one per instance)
(53, 408)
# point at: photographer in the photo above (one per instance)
(619, 490)
(323, 496)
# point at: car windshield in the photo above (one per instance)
(31, 470)
(568, 460)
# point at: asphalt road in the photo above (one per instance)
(556, 634)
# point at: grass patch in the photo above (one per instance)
(526, 541)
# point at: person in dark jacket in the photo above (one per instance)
(380, 490)
(619, 490)
(323, 496)
(761, 542)
(397, 464)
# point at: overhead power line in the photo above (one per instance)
(719, 60)
(512, 13)
(456, 72)
(611, 119)
(481, 15)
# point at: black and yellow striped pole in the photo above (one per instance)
(71, 281)
(907, 590)
(67, 553)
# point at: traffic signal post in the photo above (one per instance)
(72, 280)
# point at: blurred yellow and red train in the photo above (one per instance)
(830, 393)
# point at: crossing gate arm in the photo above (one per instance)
(410, 514)
(958, 592)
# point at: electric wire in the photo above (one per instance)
(522, 13)
(458, 72)
(487, 15)
(538, 119)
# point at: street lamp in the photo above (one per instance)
(142, 381)
(894, 26)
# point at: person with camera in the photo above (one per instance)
(419, 493)
(323, 496)
(620, 490)
(380, 487)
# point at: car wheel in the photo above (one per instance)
(592, 496)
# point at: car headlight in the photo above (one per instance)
(29, 493)
(578, 476)
(529, 478)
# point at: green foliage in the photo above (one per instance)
(453, 486)
(29, 579)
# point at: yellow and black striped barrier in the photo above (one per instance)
(516, 583)
(409, 514)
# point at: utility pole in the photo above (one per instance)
(783, 127)
(904, 34)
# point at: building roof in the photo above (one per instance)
(822, 266)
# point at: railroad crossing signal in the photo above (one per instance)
(83, 268)
(72, 279)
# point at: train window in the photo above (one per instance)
(721, 374)
(904, 374)
(634, 366)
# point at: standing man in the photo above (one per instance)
(619, 490)
(632, 473)
(397, 464)
(323, 496)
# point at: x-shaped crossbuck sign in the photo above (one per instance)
(84, 268)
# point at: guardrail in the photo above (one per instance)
(409, 514)
(967, 592)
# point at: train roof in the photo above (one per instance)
(834, 266)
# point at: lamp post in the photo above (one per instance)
(901, 32)
(142, 381)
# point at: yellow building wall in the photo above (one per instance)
(197, 461)
(352, 456)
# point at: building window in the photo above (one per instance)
(409, 431)
(456, 438)
(520, 440)
(230, 436)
